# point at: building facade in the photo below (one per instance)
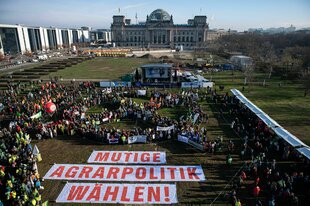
(159, 31)
(20, 39)
(101, 35)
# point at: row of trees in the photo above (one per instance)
(286, 55)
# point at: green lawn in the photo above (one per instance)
(286, 103)
(101, 68)
(173, 113)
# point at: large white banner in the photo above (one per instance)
(125, 173)
(118, 193)
(158, 128)
(127, 157)
(137, 139)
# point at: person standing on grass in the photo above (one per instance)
(229, 160)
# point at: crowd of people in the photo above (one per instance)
(21, 184)
(270, 183)
(27, 120)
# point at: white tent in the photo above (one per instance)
(288, 137)
(305, 151)
(235, 92)
(268, 120)
(254, 108)
(280, 131)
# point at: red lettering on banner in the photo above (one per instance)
(58, 172)
(109, 192)
(70, 173)
(152, 194)
(126, 171)
(116, 158)
(172, 174)
(182, 174)
(113, 171)
(192, 173)
(99, 173)
(145, 157)
(152, 174)
(102, 156)
(162, 173)
(127, 156)
(166, 189)
(95, 193)
(124, 194)
(138, 193)
(135, 159)
(85, 171)
(156, 157)
(77, 192)
(140, 173)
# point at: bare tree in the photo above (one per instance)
(248, 73)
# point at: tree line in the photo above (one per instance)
(285, 54)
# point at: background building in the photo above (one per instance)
(20, 39)
(159, 31)
(241, 62)
(101, 35)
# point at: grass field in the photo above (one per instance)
(101, 68)
(286, 103)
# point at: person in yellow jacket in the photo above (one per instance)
(238, 203)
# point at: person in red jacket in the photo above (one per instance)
(256, 191)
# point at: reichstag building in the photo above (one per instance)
(159, 31)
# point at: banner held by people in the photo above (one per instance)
(186, 140)
(139, 173)
(158, 128)
(127, 157)
(137, 139)
(182, 138)
(141, 92)
(118, 193)
(113, 140)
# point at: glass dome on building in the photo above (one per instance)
(159, 15)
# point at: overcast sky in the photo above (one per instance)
(233, 14)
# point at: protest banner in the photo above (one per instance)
(37, 115)
(118, 193)
(186, 140)
(182, 138)
(113, 141)
(141, 92)
(126, 173)
(137, 139)
(158, 128)
(127, 157)
(105, 119)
